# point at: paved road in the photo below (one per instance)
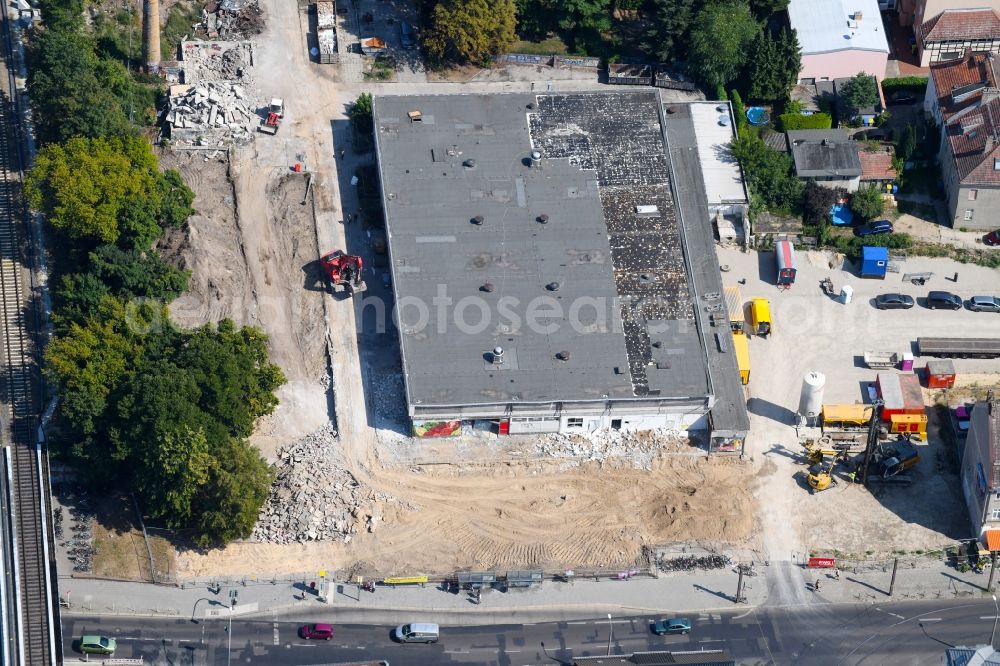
(901, 633)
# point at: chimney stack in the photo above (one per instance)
(151, 34)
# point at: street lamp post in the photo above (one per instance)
(233, 596)
(611, 633)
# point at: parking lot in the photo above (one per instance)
(813, 332)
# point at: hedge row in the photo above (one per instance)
(797, 121)
(914, 84)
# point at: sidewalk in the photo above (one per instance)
(782, 584)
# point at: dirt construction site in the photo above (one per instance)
(353, 496)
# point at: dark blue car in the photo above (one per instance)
(877, 227)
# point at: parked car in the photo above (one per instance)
(406, 35)
(944, 300)
(418, 632)
(902, 98)
(97, 645)
(316, 632)
(675, 625)
(984, 304)
(873, 228)
(992, 238)
(893, 302)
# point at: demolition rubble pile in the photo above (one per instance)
(640, 448)
(211, 113)
(233, 19)
(313, 498)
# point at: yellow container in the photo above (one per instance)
(843, 416)
(909, 424)
(742, 348)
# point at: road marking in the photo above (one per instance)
(898, 617)
(304, 644)
(276, 641)
(577, 623)
(931, 619)
(712, 640)
(988, 617)
(740, 617)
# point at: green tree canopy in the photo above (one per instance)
(105, 190)
(770, 175)
(720, 41)
(773, 66)
(765, 8)
(671, 22)
(867, 202)
(470, 30)
(360, 114)
(859, 92)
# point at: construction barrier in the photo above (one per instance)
(405, 580)
(821, 563)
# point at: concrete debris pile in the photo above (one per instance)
(233, 19)
(390, 407)
(217, 61)
(211, 113)
(313, 498)
(640, 448)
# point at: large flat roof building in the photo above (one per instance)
(539, 266)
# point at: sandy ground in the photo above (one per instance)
(534, 515)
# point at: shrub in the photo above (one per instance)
(795, 121)
(913, 84)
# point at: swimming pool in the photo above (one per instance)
(757, 115)
(841, 214)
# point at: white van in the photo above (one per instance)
(417, 633)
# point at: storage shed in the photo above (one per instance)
(784, 254)
(874, 262)
(940, 374)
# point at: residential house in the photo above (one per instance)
(948, 35)
(980, 470)
(963, 97)
(876, 167)
(839, 38)
(660, 658)
(960, 84)
(916, 13)
(830, 157)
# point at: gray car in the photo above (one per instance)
(984, 304)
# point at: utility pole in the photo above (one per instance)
(233, 596)
(892, 582)
(611, 633)
(993, 570)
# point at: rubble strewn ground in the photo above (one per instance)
(208, 112)
(234, 19)
(314, 498)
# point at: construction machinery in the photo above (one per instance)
(820, 474)
(272, 122)
(897, 457)
(343, 270)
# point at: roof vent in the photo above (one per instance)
(536, 158)
(497, 355)
(657, 344)
(825, 142)
(562, 356)
(552, 286)
(672, 109)
(487, 287)
(415, 116)
(478, 220)
(531, 105)
(543, 218)
(647, 211)
(469, 163)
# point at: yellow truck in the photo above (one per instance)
(760, 317)
(734, 305)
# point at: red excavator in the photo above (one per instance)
(343, 269)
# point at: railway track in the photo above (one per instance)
(35, 627)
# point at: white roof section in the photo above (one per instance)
(826, 26)
(713, 130)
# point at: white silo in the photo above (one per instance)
(811, 399)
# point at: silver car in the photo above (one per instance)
(984, 304)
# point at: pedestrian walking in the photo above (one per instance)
(836, 574)
(532, 86)
(816, 587)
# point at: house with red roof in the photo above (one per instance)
(964, 98)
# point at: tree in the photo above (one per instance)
(859, 92)
(769, 174)
(762, 9)
(176, 198)
(99, 190)
(671, 23)
(584, 20)
(228, 505)
(907, 143)
(720, 40)
(173, 468)
(136, 274)
(361, 116)
(773, 66)
(470, 30)
(867, 202)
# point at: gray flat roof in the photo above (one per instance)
(729, 411)
(603, 155)
(824, 153)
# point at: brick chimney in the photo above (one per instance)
(151, 34)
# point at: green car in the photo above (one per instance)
(675, 625)
(97, 645)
